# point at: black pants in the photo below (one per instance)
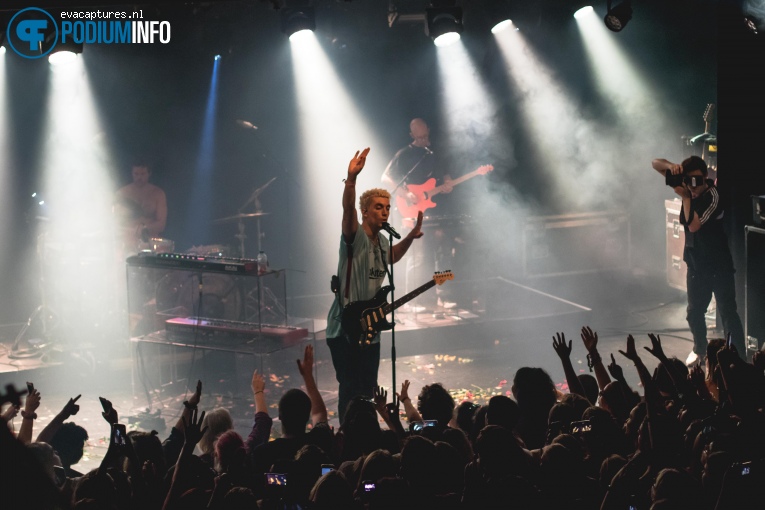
(700, 288)
(355, 369)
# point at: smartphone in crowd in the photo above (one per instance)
(326, 468)
(277, 479)
(30, 388)
(119, 434)
(578, 427)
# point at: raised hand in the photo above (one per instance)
(71, 408)
(357, 163)
(631, 352)
(32, 402)
(655, 348)
(194, 399)
(404, 395)
(306, 366)
(559, 344)
(589, 338)
(381, 398)
(615, 370)
(258, 383)
(192, 430)
(109, 413)
(416, 232)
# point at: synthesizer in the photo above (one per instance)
(225, 330)
(185, 261)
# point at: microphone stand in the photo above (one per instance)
(403, 179)
(392, 319)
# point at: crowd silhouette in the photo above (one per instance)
(694, 438)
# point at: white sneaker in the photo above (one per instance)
(693, 359)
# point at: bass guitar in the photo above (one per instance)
(364, 319)
(424, 193)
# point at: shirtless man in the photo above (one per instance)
(141, 208)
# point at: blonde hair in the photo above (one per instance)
(369, 194)
(217, 422)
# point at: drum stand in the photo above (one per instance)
(47, 317)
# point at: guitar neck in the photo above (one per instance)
(405, 299)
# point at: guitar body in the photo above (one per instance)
(362, 320)
(410, 210)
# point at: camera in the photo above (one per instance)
(673, 180)
(326, 468)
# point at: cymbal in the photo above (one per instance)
(240, 216)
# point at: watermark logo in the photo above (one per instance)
(34, 32)
(27, 30)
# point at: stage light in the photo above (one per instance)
(295, 20)
(65, 52)
(617, 17)
(584, 11)
(216, 57)
(498, 15)
(444, 23)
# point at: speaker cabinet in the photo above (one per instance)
(675, 235)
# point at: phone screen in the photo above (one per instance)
(120, 435)
(417, 426)
(276, 479)
(429, 423)
(30, 387)
(326, 469)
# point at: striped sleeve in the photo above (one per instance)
(711, 209)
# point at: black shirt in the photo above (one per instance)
(706, 250)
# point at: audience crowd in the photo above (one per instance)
(694, 438)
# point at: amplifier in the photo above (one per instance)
(576, 243)
(676, 269)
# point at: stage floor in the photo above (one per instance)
(473, 352)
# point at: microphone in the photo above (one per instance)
(245, 124)
(386, 227)
(427, 149)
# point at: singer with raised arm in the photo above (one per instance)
(361, 270)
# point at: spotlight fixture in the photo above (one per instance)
(617, 17)
(444, 22)
(64, 52)
(294, 20)
(498, 16)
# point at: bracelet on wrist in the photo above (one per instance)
(259, 391)
(405, 399)
(28, 416)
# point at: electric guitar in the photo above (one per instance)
(425, 192)
(707, 148)
(364, 319)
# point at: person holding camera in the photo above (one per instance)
(706, 253)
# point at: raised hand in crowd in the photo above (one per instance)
(563, 351)
(192, 434)
(616, 370)
(262, 422)
(70, 409)
(412, 414)
(389, 411)
(697, 380)
(318, 408)
(590, 341)
(109, 413)
(29, 415)
(172, 445)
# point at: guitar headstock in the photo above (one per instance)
(709, 113)
(441, 276)
(484, 169)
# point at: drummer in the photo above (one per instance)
(141, 208)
